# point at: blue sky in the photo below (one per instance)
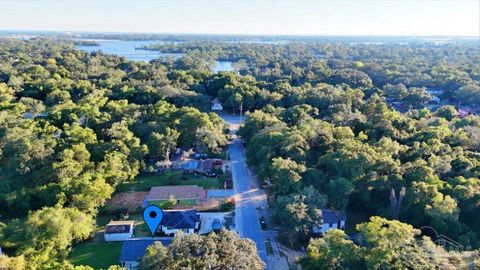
(299, 17)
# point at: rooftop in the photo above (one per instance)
(180, 219)
(178, 192)
(122, 226)
(134, 249)
(332, 216)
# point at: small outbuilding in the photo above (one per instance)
(119, 230)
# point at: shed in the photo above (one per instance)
(119, 230)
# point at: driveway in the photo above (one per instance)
(247, 194)
(207, 218)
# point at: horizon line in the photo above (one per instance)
(236, 34)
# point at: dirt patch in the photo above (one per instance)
(208, 204)
(130, 200)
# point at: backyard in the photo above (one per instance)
(96, 254)
(145, 182)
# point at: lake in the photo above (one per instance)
(126, 48)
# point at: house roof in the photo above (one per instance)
(178, 192)
(121, 222)
(332, 216)
(180, 219)
(134, 249)
(122, 226)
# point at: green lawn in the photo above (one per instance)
(144, 183)
(96, 254)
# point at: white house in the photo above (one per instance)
(331, 219)
(216, 105)
(119, 230)
(187, 221)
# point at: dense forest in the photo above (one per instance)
(321, 129)
(75, 125)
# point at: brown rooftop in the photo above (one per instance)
(178, 192)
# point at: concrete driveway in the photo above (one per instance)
(207, 220)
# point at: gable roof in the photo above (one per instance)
(134, 249)
(332, 216)
(180, 219)
(178, 192)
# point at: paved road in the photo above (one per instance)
(248, 195)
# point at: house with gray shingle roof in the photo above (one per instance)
(187, 221)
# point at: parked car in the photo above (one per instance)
(216, 225)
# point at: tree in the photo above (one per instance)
(286, 174)
(448, 112)
(225, 250)
(338, 191)
(333, 251)
(392, 244)
(161, 145)
(51, 231)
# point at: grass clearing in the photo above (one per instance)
(145, 182)
(99, 255)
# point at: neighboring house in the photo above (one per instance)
(184, 195)
(119, 230)
(187, 221)
(134, 249)
(216, 105)
(331, 219)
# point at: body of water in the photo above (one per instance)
(126, 48)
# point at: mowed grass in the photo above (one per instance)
(145, 182)
(99, 255)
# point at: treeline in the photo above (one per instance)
(451, 67)
(73, 126)
(355, 158)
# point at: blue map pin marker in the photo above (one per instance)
(152, 215)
